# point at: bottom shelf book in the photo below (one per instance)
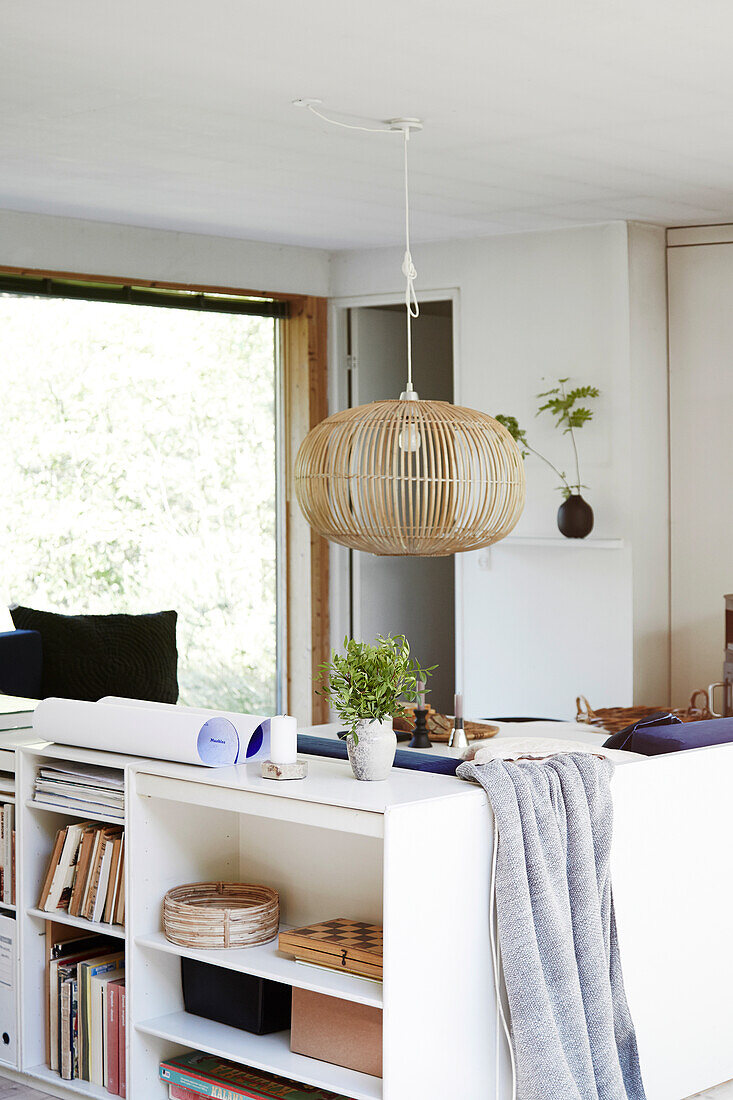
(193, 1075)
(86, 1009)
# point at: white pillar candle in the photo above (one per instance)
(283, 739)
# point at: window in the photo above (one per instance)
(138, 471)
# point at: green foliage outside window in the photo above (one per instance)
(137, 473)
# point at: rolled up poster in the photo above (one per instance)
(167, 734)
(253, 730)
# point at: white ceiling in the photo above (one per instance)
(537, 114)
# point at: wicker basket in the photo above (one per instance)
(221, 914)
(615, 719)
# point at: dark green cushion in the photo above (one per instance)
(89, 656)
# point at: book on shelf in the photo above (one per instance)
(206, 1075)
(89, 1035)
(86, 787)
(16, 713)
(65, 1028)
(122, 1059)
(7, 853)
(85, 875)
(98, 1032)
(113, 1048)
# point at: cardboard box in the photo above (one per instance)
(342, 1032)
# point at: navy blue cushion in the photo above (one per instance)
(20, 663)
(683, 735)
(411, 759)
(624, 739)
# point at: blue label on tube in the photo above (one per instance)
(218, 743)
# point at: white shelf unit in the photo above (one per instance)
(36, 829)
(403, 853)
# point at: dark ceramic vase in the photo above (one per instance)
(575, 517)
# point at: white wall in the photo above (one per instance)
(540, 624)
(97, 248)
(701, 384)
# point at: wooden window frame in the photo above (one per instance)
(304, 402)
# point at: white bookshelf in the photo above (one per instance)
(402, 853)
(270, 1052)
(266, 961)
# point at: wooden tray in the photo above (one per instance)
(440, 725)
(341, 944)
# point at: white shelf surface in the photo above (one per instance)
(269, 1052)
(84, 1088)
(6, 905)
(265, 961)
(60, 917)
(558, 541)
(69, 811)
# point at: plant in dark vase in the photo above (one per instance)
(366, 686)
(575, 515)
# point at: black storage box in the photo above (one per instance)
(240, 1000)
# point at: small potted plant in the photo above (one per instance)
(575, 515)
(366, 686)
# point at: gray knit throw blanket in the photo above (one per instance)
(572, 1033)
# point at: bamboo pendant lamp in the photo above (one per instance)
(409, 477)
(460, 487)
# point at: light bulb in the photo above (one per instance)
(409, 439)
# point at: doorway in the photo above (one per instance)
(393, 595)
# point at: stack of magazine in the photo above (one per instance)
(85, 787)
(193, 1075)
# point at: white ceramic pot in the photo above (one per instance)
(371, 752)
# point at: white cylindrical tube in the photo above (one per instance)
(166, 734)
(283, 739)
(253, 729)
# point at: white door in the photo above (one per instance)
(701, 472)
(410, 596)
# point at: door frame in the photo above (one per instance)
(343, 568)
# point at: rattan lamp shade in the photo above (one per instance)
(421, 478)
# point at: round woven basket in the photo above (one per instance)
(615, 719)
(221, 914)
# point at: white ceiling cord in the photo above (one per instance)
(395, 126)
